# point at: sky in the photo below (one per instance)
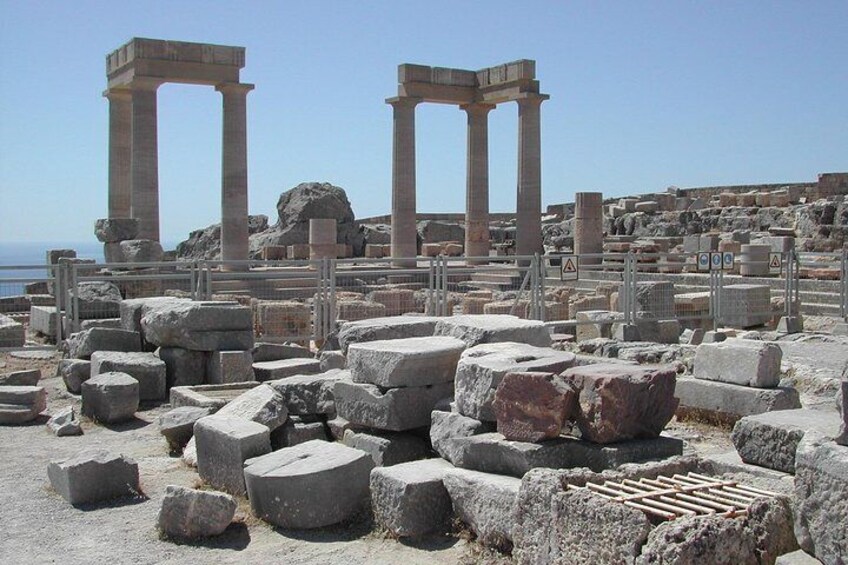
(644, 95)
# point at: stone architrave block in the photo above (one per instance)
(110, 397)
(261, 404)
(410, 499)
(28, 377)
(183, 367)
(533, 406)
(199, 325)
(395, 409)
(12, 333)
(481, 368)
(387, 448)
(64, 423)
(21, 404)
(621, 402)
(275, 370)
(377, 329)
(739, 361)
(223, 444)
(416, 361)
(146, 368)
(74, 372)
(177, 425)
(296, 431)
(190, 514)
(486, 503)
(475, 330)
(230, 367)
(771, 439)
(310, 485)
(82, 344)
(94, 475)
(94, 300)
(113, 230)
(725, 403)
(310, 394)
(43, 320)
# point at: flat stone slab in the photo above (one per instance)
(771, 439)
(21, 378)
(214, 397)
(110, 397)
(739, 361)
(229, 367)
(445, 427)
(94, 475)
(82, 344)
(481, 369)
(310, 485)
(310, 394)
(198, 325)
(274, 370)
(395, 409)
(391, 327)
(295, 431)
(177, 425)
(415, 361)
(146, 368)
(410, 499)
(190, 514)
(486, 503)
(276, 351)
(475, 329)
(725, 403)
(261, 404)
(223, 444)
(492, 453)
(387, 448)
(74, 372)
(21, 404)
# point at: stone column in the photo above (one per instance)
(120, 152)
(404, 231)
(528, 233)
(322, 238)
(477, 181)
(144, 166)
(589, 225)
(234, 232)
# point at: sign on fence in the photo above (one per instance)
(703, 261)
(727, 261)
(775, 263)
(715, 261)
(570, 268)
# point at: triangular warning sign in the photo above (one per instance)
(775, 262)
(569, 266)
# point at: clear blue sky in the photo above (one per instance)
(643, 95)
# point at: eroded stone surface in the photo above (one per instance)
(477, 329)
(486, 503)
(94, 475)
(533, 406)
(223, 444)
(189, 514)
(416, 361)
(110, 397)
(739, 361)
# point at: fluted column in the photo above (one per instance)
(144, 165)
(404, 232)
(529, 198)
(120, 156)
(234, 232)
(477, 181)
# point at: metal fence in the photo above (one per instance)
(302, 301)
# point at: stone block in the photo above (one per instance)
(261, 404)
(94, 300)
(592, 324)
(133, 309)
(533, 406)
(298, 251)
(754, 260)
(396, 409)
(229, 367)
(82, 344)
(198, 325)
(726, 403)
(113, 230)
(43, 320)
(310, 485)
(277, 351)
(188, 514)
(12, 333)
(771, 439)
(588, 304)
(183, 367)
(110, 397)
(94, 475)
(274, 370)
(64, 423)
(296, 431)
(475, 330)
(410, 499)
(745, 305)
(74, 372)
(330, 360)
(798, 557)
(378, 329)
(177, 425)
(145, 368)
(111, 323)
(208, 396)
(309, 394)
(387, 448)
(28, 377)
(398, 301)
(648, 207)
(481, 368)
(739, 361)
(373, 251)
(446, 427)
(486, 503)
(141, 251)
(417, 361)
(356, 310)
(700, 539)
(224, 443)
(21, 404)
(790, 324)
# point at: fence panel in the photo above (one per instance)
(27, 291)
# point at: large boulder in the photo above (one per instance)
(205, 243)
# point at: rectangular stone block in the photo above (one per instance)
(739, 361)
(474, 330)
(595, 323)
(723, 403)
(183, 367)
(416, 361)
(486, 503)
(396, 409)
(229, 367)
(274, 370)
(146, 368)
(387, 448)
(213, 397)
(298, 251)
(310, 394)
(224, 443)
(745, 305)
(12, 333)
(43, 320)
(94, 475)
(82, 344)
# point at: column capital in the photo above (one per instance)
(404, 101)
(145, 83)
(531, 99)
(117, 94)
(477, 108)
(242, 88)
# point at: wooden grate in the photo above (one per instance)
(681, 495)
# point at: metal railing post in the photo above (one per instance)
(59, 284)
(192, 285)
(844, 303)
(331, 314)
(75, 299)
(444, 289)
(543, 272)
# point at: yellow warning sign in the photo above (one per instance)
(570, 268)
(775, 262)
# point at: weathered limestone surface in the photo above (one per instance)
(739, 361)
(64, 423)
(12, 333)
(486, 503)
(21, 404)
(229, 367)
(183, 367)
(274, 370)
(745, 305)
(596, 323)
(620, 402)
(410, 499)
(393, 327)
(74, 372)
(141, 251)
(417, 361)
(296, 431)
(110, 397)
(177, 425)
(330, 360)
(262, 404)
(43, 320)
(21, 378)
(446, 427)
(310, 485)
(82, 344)
(208, 396)
(701, 539)
(113, 230)
(224, 443)
(396, 409)
(276, 351)
(771, 439)
(145, 368)
(387, 448)
(481, 368)
(190, 514)
(92, 300)
(199, 325)
(474, 330)
(94, 475)
(309, 394)
(533, 406)
(726, 403)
